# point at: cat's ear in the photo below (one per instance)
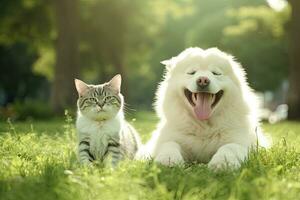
(115, 83)
(81, 86)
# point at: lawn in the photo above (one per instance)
(38, 161)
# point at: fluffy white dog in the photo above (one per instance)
(207, 111)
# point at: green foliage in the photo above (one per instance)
(26, 21)
(39, 161)
(261, 32)
(17, 80)
(112, 33)
(253, 33)
(133, 36)
(27, 110)
(31, 109)
(44, 65)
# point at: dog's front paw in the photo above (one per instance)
(229, 156)
(219, 163)
(143, 154)
(169, 159)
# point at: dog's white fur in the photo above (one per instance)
(222, 140)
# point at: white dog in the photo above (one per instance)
(207, 111)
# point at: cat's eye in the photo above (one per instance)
(216, 73)
(191, 72)
(93, 99)
(106, 99)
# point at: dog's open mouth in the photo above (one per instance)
(203, 103)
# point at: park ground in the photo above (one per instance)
(38, 161)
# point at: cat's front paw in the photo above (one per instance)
(86, 163)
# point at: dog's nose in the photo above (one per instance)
(203, 82)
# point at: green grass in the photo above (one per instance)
(38, 161)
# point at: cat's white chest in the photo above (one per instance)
(107, 128)
(98, 128)
(98, 133)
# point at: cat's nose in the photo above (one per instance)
(99, 108)
(100, 105)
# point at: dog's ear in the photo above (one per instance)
(165, 62)
(168, 63)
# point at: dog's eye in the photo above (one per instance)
(191, 73)
(216, 73)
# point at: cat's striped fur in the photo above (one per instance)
(103, 133)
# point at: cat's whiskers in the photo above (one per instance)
(127, 109)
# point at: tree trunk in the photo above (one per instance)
(67, 55)
(294, 69)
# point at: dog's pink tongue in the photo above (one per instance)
(202, 107)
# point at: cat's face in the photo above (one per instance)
(100, 102)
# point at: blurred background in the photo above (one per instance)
(45, 44)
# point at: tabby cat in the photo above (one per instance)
(103, 133)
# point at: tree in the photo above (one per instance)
(112, 33)
(251, 31)
(67, 54)
(24, 26)
(18, 82)
(261, 32)
(294, 73)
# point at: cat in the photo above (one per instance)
(103, 133)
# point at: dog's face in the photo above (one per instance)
(203, 79)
